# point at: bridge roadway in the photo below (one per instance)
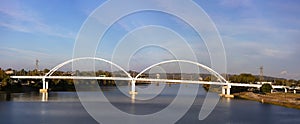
(226, 85)
(146, 80)
(119, 78)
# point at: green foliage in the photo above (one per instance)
(243, 78)
(206, 87)
(235, 89)
(9, 86)
(46, 71)
(6, 81)
(208, 78)
(3, 75)
(279, 82)
(266, 88)
(61, 85)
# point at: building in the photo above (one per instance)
(265, 83)
(9, 72)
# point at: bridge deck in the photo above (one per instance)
(142, 79)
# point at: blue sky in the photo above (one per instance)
(254, 32)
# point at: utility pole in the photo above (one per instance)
(261, 74)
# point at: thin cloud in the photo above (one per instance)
(19, 28)
(235, 3)
(23, 53)
(23, 19)
(284, 73)
(275, 53)
(290, 75)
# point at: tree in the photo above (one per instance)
(46, 71)
(266, 88)
(206, 87)
(5, 82)
(207, 78)
(2, 75)
(279, 82)
(243, 78)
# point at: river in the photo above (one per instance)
(65, 108)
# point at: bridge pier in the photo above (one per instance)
(45, 86)
(43, 90)
(44, 96)
(226, 91)
(223, 90)
(285, 90)
(132, 91)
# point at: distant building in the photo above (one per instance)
(265, 83)
(9, 72)
(200, 78)
(157, 76)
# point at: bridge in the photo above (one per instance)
(226, 86)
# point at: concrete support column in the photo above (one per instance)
(133, 86)
(295, 92)
(44, 83)
(285, 90)
(47, 85)
(223, 90)
(133, 92)
(44, 96)
(44, 90)
(228, 90)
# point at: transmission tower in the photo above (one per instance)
(261, 73)
(37, 65)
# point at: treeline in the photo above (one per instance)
(28, 85)
(249, 78)
(7, 84)
(252, 79)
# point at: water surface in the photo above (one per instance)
(65, 108)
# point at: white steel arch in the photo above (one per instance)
(45, 86)
(85, 58)
(133, 80)
(220, 78)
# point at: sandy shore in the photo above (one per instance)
(283, 99)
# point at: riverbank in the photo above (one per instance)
(283, 99)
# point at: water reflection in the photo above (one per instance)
(228, 100)
(8, 96)
(5, 96)
(44, 96)
(132, 98)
